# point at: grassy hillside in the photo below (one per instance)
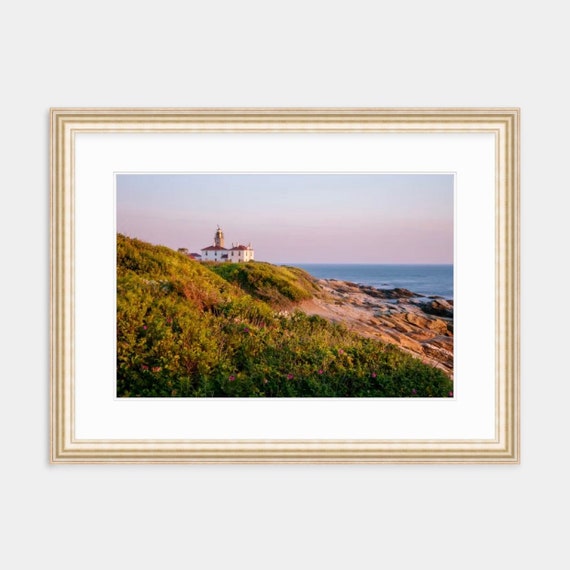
(279, 286)
(188, 329)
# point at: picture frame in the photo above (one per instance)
(83, 136)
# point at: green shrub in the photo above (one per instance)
(186, 329)
(279, 286)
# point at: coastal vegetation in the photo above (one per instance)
(191, 329)
(277, 285)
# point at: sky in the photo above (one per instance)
(295, 218)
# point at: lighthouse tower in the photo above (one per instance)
(219, 238)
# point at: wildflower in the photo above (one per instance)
(232, 378)
(321, 371)
(451, 394)
(265, 380)
(144, 367)
(144, 327)
(414, 391)
(245, 330)
(169, 320)
(340, 351)
(289, 376)
(373, 374)
(156, 368)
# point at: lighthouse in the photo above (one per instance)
(219, 238)
(217, 252)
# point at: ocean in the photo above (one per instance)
(425, 279)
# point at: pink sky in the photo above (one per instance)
(288, 218)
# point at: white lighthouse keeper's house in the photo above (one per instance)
(217, 252)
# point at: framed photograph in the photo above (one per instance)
(285, 285)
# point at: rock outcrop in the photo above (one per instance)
(420, 327)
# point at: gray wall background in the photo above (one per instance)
(292, 53)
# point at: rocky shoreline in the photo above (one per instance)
(419, 325)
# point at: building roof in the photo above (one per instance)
(213, 248)
(240, 248)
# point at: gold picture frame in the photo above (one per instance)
(501, 123)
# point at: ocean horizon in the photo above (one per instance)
(425, 279)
